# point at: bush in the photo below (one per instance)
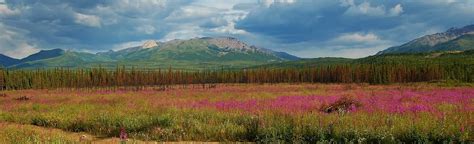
(344, 104)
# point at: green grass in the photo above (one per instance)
(23, 134)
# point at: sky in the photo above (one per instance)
(305, 28)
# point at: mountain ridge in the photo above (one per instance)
(44, 54)
(6, 61)
(198, 53)
(429, 43)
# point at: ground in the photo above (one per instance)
(241, 112)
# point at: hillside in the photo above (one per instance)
(454, 39)
(198, 53)
(306, 63)
(463, 43)
(6, 61)
(444, 57)
(67, 59)
(44, 54)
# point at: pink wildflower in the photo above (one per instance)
(123, 134)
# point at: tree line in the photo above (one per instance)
(334, 73)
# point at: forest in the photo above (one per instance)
(333, 73)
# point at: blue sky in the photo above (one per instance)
(306, 28)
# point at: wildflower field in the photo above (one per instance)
(293, 113)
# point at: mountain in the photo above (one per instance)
(43, 54)
(286, 56)
(462, 43)
(6, 61)
(67, 59)
(454, 39)
(197, 53)
(444, 58)
(306, 63)
(150, 44)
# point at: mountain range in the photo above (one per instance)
(225, 52)
(454, 39)
(197, 53)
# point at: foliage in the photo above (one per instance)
(386, 70)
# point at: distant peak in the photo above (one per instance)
(150, 44)
(53, 50)
(229, 38)
(461, 31)
(230, 43)
(219, 38)
(433, 42)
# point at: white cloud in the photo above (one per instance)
(146, 29)
(357, 37)
(140, 4)
(351, 51)
(349, 45)
(221, 4)
(184, 32)
(397, 10)
(229, 29)
(192, 12)
(346, 3)
(128, 45)
(87, 20)
(365, 8)
(268, 3)
(230, 18)
(143, 8)
(22, 50)
(5, 11)
(13, 43)
(330, 26)
(358, 52)
(198, 20)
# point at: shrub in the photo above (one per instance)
(344, 104)
(22, 98)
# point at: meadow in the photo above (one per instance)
(293, 113)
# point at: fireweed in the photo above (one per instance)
(406, 101)
(261, 113)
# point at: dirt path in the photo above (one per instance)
(13, 132)
(18, 133)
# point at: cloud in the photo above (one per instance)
(316, 20)
(184, 32)
(322, 26)
(88, 20)
(13, 44)
(365, 8)
(308, 28)
(357, 37)
(5, 11)
(146, 29)
(397, 10)
(192, 12)
(368, 9)
(268, 3)
(229, 29)
(203, 18)
(90, 25)
(129, 44)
